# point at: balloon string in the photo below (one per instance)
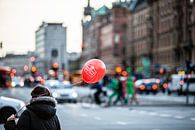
(20, 109)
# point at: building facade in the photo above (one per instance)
(172, 45)
(90, 44)
(104, 36)
(193, 31)
(51, 47)
(165, 33)
(140, 37)
(119, 18)
(146, 35)
(16, 62)
(73, 62)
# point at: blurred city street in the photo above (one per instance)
(108, 64)
(155, 112)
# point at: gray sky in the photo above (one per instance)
(21, 18)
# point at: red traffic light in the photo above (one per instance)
(161, 70)
(32, 59)
(25, 67)
(55, 65)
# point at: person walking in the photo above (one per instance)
(120, 91)
(113, 85)
(39, 115)
(131, 91)
(98, 86)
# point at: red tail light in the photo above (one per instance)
(142, 87)
(154, 87)
(165, 85)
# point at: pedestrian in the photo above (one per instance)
(120, 91)
(113, 85)
(98, 87)
(131, 91)
(39, 115)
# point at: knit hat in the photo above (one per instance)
(39, 91)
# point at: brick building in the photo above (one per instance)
(193, 31)
(91, 33)
(171, 33)
(104, 36)
(113, 37)
(151, 34)
(139, 45)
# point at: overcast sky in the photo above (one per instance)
(19, 19)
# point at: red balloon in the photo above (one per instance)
(93, 70)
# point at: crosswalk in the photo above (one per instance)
(135, 111)
(164, 115)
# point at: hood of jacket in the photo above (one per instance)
(43, 107)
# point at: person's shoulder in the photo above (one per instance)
(24, 118)
(25, 113)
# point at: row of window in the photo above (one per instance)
(163, 58)
(166, 7)
(141, 17)
(141, 47)
(140, 32)
(165, 40)
(166, 24)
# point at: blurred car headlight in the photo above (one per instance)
(55, 95)
(21, 84)
(13, 84)
(74, 95)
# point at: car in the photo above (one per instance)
(178, 84)
(62, 91)
(9, 106)
(17, 82)
(175, 84)
(147, 85)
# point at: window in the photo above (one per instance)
(54, 53)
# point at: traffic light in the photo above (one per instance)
(161, 71)
(124, 73)
(118, 70)
(32, 59)
(33, 69)
(55, 66)
(25, 68)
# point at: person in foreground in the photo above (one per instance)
(39, 115)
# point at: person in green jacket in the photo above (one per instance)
(131, 91)
(113, 85)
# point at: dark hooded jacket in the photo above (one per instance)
(39, 115)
